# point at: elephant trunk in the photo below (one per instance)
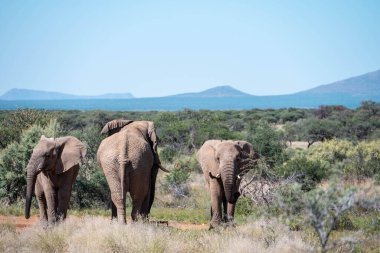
(30, 184)
(227, 176)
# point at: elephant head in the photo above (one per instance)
(231, 160)
(115, 126)
(52, 155)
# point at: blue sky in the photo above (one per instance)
(157, 48)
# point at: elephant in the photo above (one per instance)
(130, 162)
(223, 163)
(51, 173)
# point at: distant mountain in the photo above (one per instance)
(26, 94)
(219, 91)
(364, 86)
(349, 92)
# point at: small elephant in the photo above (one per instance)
(130, 162)
(51, 172)
(223, 163)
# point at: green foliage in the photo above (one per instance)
(12, 125)
(320, 129)
(268, 143)
(191, 215)
(90, 189)
(176, 182)
(167, 154)
(324, 207)
(181, 133)
(292, 114)
(311, 172)
(187, 130)
(288, 200)
(245, 207)
(14, 159)
(361, 160)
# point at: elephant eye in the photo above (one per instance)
(47, 155)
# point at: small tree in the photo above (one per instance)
(324, 207)
(320, 208)
(176, 182)
(268, 143)
(320, 130)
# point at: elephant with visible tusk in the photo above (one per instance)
(223, 163)
(51, 173)
(130, 162)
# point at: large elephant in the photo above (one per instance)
(129, 159)
(223, 162)
(51, 172)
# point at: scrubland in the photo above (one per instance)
(316, 187)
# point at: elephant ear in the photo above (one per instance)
(152, 135)
(115, 126)
(249, 155)
(71, 152)
(206, 158)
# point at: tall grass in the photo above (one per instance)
(97, 234)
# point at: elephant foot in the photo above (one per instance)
(214, 225)
(44, 223)
(230, 224)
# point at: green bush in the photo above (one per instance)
(15, 122)
(268, 143)
(90, 189)
(311, 172)
(176, 182)
(361, 160)
(167, 154)
(245, 206)
(14, 159)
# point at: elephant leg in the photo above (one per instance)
(230, 213)
(145, 206)
(216, 199)
(51, 200)
(152, 187)
(113, 211)
(139, 190)
(113, 180)
(64, 194)
(136, 208)
(41, 204)
(224, 202)
(50, 197)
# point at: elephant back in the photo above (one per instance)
(114, 126)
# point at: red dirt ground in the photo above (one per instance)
(18, 221)
(21, 223)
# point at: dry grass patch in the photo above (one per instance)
(97, 234)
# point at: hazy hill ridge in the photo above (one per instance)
(27, 94)
(363, 85)
(219, 91)
(348, 91)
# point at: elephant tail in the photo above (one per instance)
(163, 168)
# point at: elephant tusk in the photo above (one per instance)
(239, 177)
(212, 176)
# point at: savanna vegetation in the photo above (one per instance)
(322, 197)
